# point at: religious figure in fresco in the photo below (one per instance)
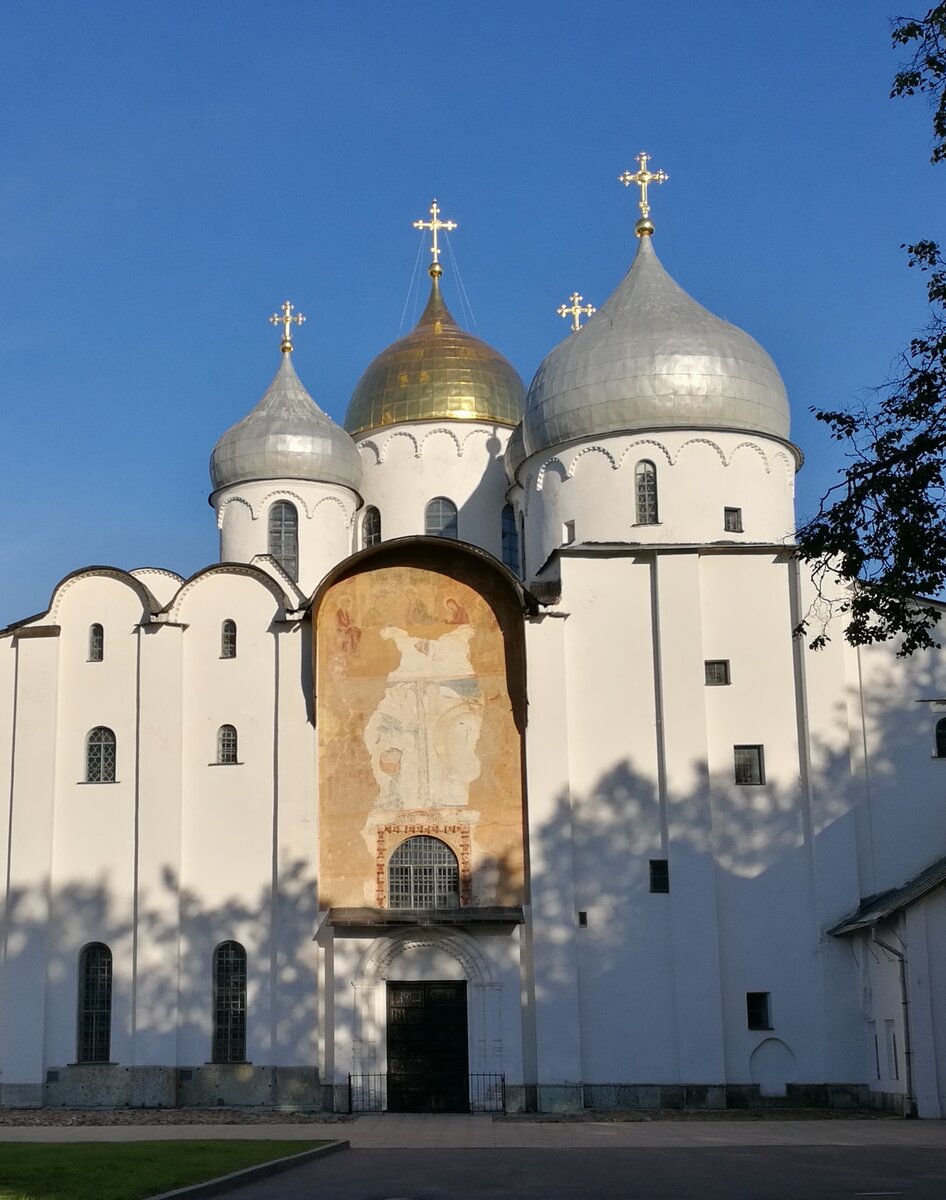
(423, 735)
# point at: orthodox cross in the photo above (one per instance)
(642, 178)
(287, 320)
(435, 225)
(576, 310)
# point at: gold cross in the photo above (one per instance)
(435, 225)
(287, 320)
(576, 310)
(642, 178)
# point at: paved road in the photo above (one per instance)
(700, 1173)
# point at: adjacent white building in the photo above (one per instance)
(483, 768)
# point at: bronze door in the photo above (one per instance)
(427, 1047)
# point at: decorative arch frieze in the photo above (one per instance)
(288, 494)
(348, 510)
(546, 466)
(751, 446)
(787, 463)
(139, 572)
(700, 441)
(636, 446)
(450, 434)
(401, 433)
(591, 450)
(369, 448)
(221, 508)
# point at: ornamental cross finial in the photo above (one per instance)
(642, 178)
(287, 320)
(576, 310)
(435, 225)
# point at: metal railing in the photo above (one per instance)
(369, 1092)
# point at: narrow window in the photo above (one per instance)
(227, 744)
(510, 539)
(659, 875)
(893, 1064)
(568, 532)
(423, 873)
(522, 544)
(100, 755)
(96, 643)
(732, 520)
(440, 518)
(645, 491)
(284, 537)
(716, 671)
(941, 738)
(757, 1010)
(582, 919)
(228, 639)
(371, 527)
(229, 1001)
(94, 1025)
(872, 1030)
(748, 764)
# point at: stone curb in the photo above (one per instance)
(275, 1166)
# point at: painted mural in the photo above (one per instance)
(418, 733)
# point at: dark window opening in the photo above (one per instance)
(941, 738)
(659, 875)
(716, 671)
(96, 643)
(423, 873)
(227, 745)
(757, 1010)
(284, 537)
(748, 764)
(100, 756)
(732, 520)
(229, 1003)
(94, 1033)
(645, 492)
(440, 518)
(510, 539)
(228, 639)
(371, 527)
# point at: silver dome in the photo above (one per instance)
(286, 436)
(652, 358)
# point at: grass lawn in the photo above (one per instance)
(125, 1170)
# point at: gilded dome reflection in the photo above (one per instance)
(437, 372)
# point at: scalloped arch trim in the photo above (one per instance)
(125, 577)
(384, 951)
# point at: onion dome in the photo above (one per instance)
(437, 372)
(652, 358)
(286, 436)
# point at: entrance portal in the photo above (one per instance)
(427, 1047)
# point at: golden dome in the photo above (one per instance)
(437, 372)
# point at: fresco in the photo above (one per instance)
(417, 732)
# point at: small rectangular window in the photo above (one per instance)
(568, 533)
(583, 919)
(659, 875)
(732, 520)
(717, 672)
(893, 1065)
(748, 764)
(758, 1015)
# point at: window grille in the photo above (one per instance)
(941, 738)
(510, 539)
(716, 671)
(284, 537)
(748, 764)
(371, 527)
(94, 1025)
(732, 520)
(228, 639)
(96, 643)
(423, 873)
(659, 875)
(100, 756)
(757, 1010)
(645, 490)
(227, 744)
(440, 518)
(229, 1003)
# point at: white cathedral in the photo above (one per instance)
(483, 770)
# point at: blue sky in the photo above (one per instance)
(169, 173)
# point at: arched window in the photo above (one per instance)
(440, 518)
(371, 527)
(941, 738)
(645, 485)
(96, 643)
(227, 744)
(228, 639)
(423, 873)
(94, 1024)
(510, 535)
(100, 755)
(284, 537)
(229, 1012)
